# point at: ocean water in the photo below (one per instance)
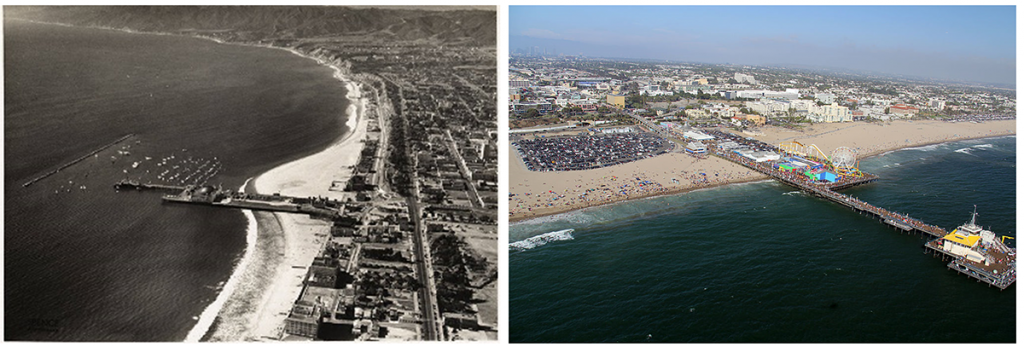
(762, 262)
(86, 263)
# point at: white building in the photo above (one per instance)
(830, 114)
(802, 105)
(768, 106)
(697, 135)
(742, 78)
(758, 94)
(653, 90)
(827, 98)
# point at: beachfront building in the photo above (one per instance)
(903, 109)
(696, 148)
(830, 114)
(801, 105)
(768, 106)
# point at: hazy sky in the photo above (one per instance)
(974, 43)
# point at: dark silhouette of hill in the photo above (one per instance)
(464, 26)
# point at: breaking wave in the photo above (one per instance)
(542, 239)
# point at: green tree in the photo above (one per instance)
(531, 113)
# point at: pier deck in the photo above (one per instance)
(272, 203)
(827, 191)
(131, 184)
(999, 272)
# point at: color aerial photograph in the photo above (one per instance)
(250, 173)
(772, 174)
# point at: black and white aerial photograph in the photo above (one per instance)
(250, 173)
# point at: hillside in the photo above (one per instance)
(466, 26)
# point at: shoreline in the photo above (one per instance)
(281, 243)
(515, 220)
(211, 320)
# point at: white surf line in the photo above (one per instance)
(210, 313)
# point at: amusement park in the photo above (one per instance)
(795, 161)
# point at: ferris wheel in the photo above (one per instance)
(844, 161)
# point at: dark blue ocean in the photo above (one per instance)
(762, 262)
(84, 262)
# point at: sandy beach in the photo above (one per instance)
(535, 194)
(287, 243)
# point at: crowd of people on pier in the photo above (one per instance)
(588, 152)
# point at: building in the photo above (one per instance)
(696, 148)
(768, 106)
(303, 320)
(830, 114)
(518, 84)
(697, 136)
(521, 107)
(937, 104)
(770, 94)
(617, 100)
(619, 130)
(461, 320)
(654, 90)
(827, 98)
(696, 113)
(903, 109)
(742, 78)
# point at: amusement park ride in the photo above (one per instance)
(843, 159)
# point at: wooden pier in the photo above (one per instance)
(214, 197)
(827, 191)
(76, 161)
(131, 184)
(1000, 275)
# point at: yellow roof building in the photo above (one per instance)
(968, 241)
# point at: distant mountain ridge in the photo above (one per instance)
(465, 26)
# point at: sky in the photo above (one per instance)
(968, 43)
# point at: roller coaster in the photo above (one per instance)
(843, 159)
